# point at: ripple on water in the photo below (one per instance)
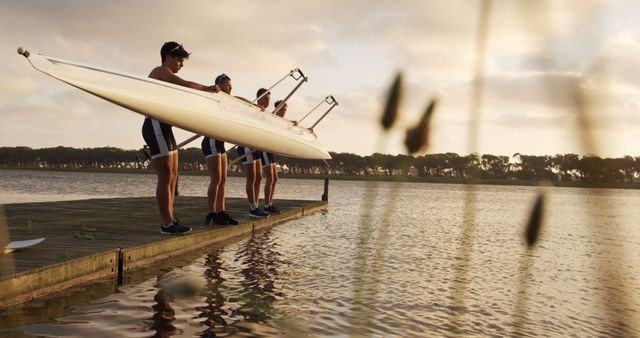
(374, 274)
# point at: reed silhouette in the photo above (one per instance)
(368, 269)
(364, 288)
(417, 140)
(530, 236)
(469, 219)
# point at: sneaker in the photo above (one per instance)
(227, 219)
(211, 218)
(175, 228)
(272, 210)
(258, 213)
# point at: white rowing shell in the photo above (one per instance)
(17, 245)
(217, 115)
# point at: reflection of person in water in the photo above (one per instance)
(261, 262)
(215, 299)
(164, 315)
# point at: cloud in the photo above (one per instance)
(535, 89)
(40, 122)
(619, 60)
(15, 86)
(536, 52)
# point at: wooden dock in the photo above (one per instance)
(99, 238)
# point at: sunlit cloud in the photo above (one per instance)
(539, 53)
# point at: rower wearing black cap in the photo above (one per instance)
(159, 137)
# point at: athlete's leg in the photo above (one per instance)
(214, 165)
(258, 180)
(268, 184)
(174, 179)
(274, 181)
(250, 173)
(164, 193)
(220, 195)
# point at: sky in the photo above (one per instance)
(540, 58)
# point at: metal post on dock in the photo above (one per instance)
(325, 195)
(120, 274)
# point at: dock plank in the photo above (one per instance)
(82, 231)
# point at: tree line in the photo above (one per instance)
(559, 167)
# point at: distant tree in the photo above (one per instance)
(494, 166)
(592, 169)
(421, 163)
(535, 168)
(526, 167)
(17, 156)
(625, 166)
(457, 164)
(431, 165)
(564, 165)
(472, 166)
(400, 162)
(377, 162)
(350, 164)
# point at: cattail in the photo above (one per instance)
(393, 101)
(535, 221)
(417, 139)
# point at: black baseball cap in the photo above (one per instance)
(173, 49)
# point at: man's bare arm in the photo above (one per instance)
(164, 74)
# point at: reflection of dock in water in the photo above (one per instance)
(98, 238)
(260, 262)
(239, 294)
(214, 311)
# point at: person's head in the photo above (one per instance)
(173, 55)
(224, 83)
(264, 100)
(282, 110)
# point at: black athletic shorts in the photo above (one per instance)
(267, 158)
(159, 137)
(253, 155)
(212, 147)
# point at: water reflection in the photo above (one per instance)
(214, 311)
(301, 278)
(241, 288)
(164, 316)
(260, 262)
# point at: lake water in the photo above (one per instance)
(386, 260)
